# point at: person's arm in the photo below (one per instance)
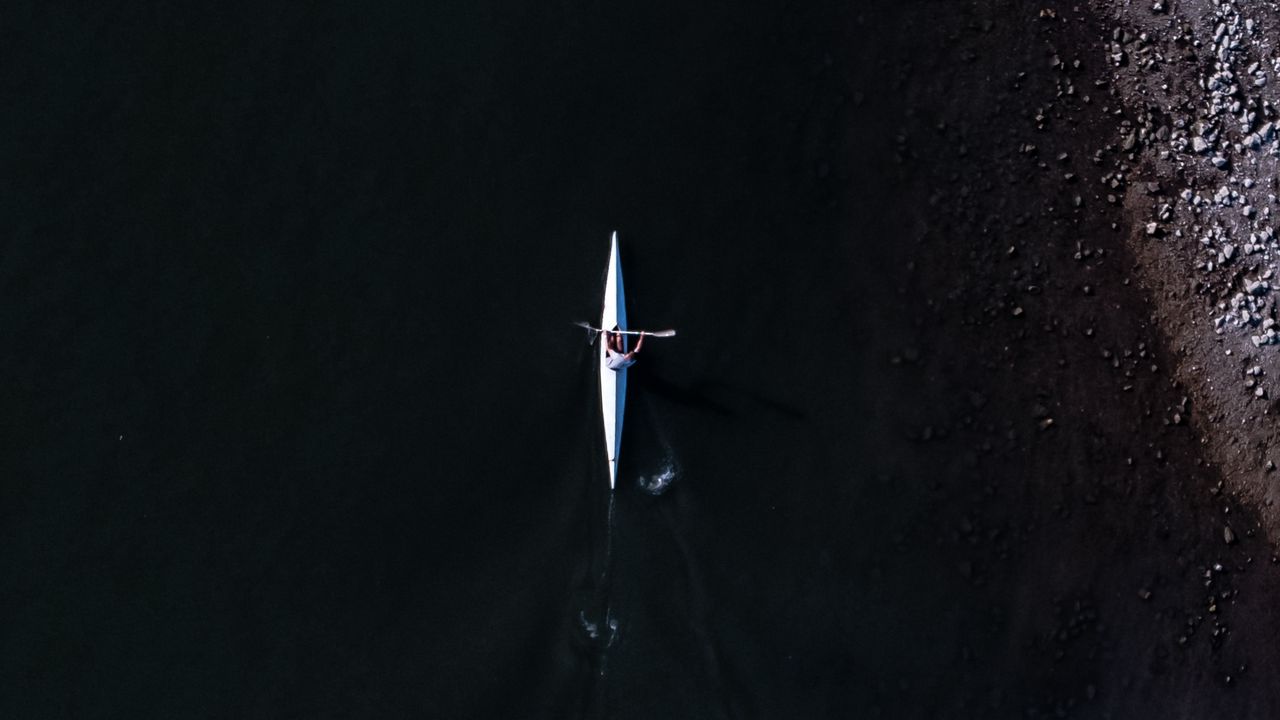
(639, 344)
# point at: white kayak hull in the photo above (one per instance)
(613, 383)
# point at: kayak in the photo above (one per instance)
(613, 383)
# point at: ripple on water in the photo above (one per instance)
(657, 483)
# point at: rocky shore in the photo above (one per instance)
(1084, 345)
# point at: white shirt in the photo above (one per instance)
(618, 361)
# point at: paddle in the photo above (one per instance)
(650, 333)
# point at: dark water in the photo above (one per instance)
(298, 423)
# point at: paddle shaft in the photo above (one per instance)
(650, 333)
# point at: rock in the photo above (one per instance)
(1228, 535)
(1200, 145)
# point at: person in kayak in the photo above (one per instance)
(617, 356)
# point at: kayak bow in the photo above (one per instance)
(613, 383)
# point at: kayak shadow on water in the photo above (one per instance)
(715, 395)
(661, 469)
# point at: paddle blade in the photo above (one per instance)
(591, 332)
